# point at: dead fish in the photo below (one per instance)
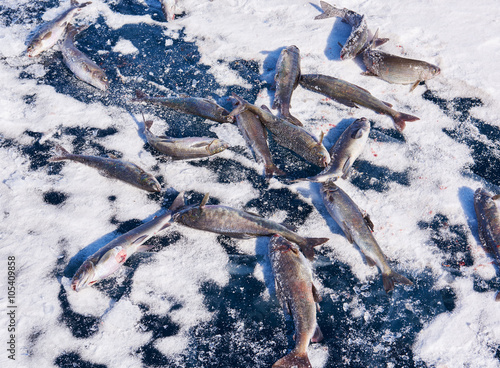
(345, 151)
(184, 148)
(239, 224)
(113, 168)
(288, 135)
(256, 137)
(79, 63)
(358, 229)
(51, 32)
(397, 69)
(168, 8)
(203, 107)
(286, 80)
(352, 95)
(359, 34)
(488, 222)
(298, 297)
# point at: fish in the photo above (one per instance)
(79, 63)
(286, 80)
(345, 151)
(236, 223)
(298, 297)
(51, 32)
(184, 148)
(397, 69)
(256, 137)
(108, 259)
(358, 229)
(352, 95)
(168, 7)
(203, 107)
(488, 221)
(113, 168)
(288, 135)
(358, 38)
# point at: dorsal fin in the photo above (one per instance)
(321, 136)
(147, 123)
(204, 200)
(178, 202)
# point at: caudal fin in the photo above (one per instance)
(329, 11)
(271, 170)
(308, 247)
(61, 154)
(400, 120)
(394, 278)
(294, 359)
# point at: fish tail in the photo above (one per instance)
(294, 359)
(61, 154)
(308, 247)
(330, 11)
(292, 119)
(497, 297)
(400, 120)
(139, 96)
(394, 278)
(271, 170)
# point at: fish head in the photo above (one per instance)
(34, 48)
(150, 183)
(216, 146)
(322, 155)
(361, 128)
(84, 276)
(100, 79)
(434, 70)
(327, 188)
(279, 244)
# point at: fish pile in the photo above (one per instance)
(291, 255)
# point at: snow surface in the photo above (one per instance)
(433, 183)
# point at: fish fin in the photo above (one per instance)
(380, 41)
(308, 247)
(254, 214)
(139, 95)
(271, 170)
(347, 232)
(369, 261)
(368, 74)
(341, 46)
(394, 278)
(400, 120)
(294, 359)
(368, 222)
(147, 123)
(329, 11)
(265, 108)
(204, 200)
(178, 202)
(321, 137)
(346, 102)
(495, 197)
(345, 168)
(239, 108)
(289, 227)
(140, 239)
(47, 35)
(61, 154)
(415, 85)
(387, 104)
(292, 119)
(145, 247)
(497, 297)
(112, 156)
(318, 335)
(316, 296)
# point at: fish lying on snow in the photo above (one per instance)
(203, 107)
(113, 168)
(51, 32)
(79, 63)
(288, 135)
(286, 80)
(352, 95)
(359, 34)
(113, 255)
(256, 137)
(397, 69)
(239, 224)
(488, 222)
(298, 296)
(345, 151)
(184, 148)
(358, 229)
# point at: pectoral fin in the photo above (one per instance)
(368, 222)
(140, 239)
(316, 296)
(178, 202)
(414, 85)
(347, 232)
(204, 200)
(369, 261)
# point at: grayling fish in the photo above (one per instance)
(345, 151)
(239, 224)
(288, 135)
(203, 107)
(359, 34)
(256, 137)
(286, 79)
(184, 148)
(168, 7)
(488, 222)
(113, 255)
(79, 63)
(113, 168)
(352, 95)
(358, 229)
(51, 32)
(298, 296)
(397, 69)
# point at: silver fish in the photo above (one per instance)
(184, 148)
(239, 224)
(168, 8)
(79, 63)
(358, 229)
(203, 107)
(352, 95)
(359, 34)
(286, 79)
(488, 221)
(256, 137)
(298, 296)
(113, 168)
(288, 135)
(345, 151)
(51, 32)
